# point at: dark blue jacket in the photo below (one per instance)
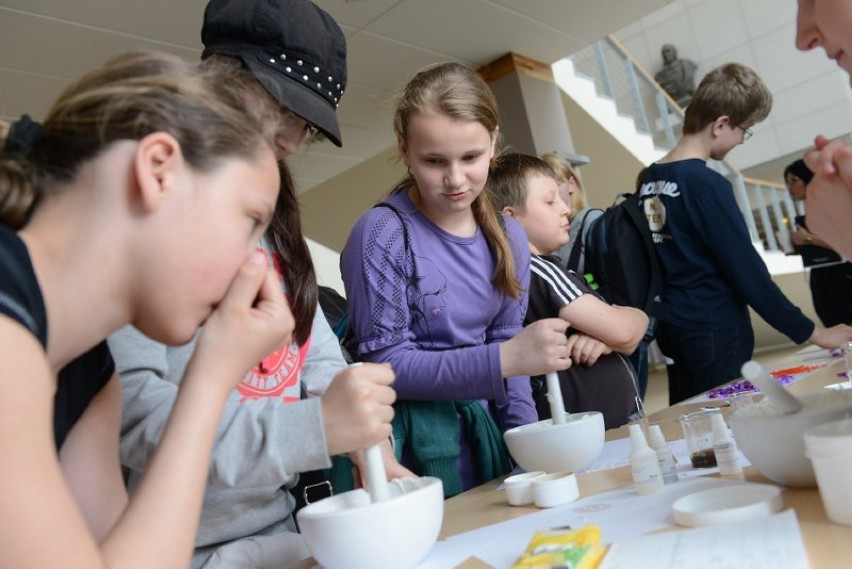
(712, 270)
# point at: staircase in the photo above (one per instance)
(603, 108)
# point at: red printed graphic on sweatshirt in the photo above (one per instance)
(278, 374)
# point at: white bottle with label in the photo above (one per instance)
(644, 464)
(725, 449)
(664, 454)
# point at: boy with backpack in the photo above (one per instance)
(711, 271)
(600, 379)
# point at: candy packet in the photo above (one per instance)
(563, 549)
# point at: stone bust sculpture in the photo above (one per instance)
(677, 77)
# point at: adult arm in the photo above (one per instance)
(801, 236)
(829, 194)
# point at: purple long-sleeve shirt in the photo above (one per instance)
(438, 322)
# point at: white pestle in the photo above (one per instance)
(777, 394)
(376, 478)
(554, 397)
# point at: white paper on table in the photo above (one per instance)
(768, 543)
(615, 454)
(620, 514)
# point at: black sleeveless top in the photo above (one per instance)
(21, 300)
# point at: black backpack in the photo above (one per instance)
(622, 260)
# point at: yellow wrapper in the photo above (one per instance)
(563, 549)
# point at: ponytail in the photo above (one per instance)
(18, 188)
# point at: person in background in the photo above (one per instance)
(581, 213)
(601, 379)
(830, 276)
(437, 287)
(138, 200)
(827, 24)
(712, 271)
(270, 431)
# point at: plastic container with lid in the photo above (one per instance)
(829, 448)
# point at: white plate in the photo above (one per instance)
(727, 505)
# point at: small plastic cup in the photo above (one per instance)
(555, 489)
(698, 433)
(519, 490)
(829, 447)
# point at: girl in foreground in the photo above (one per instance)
(139, 201)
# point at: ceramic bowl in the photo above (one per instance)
(347, 530)
(774, 443)
(570, 446)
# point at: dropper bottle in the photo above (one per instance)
(664, 454)
(644, 465)
(725, 448)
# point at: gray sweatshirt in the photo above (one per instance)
(263, 440)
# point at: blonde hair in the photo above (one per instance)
(564, 172)
(458, 92)
(128, 98)
(731, 90)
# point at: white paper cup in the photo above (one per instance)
(555, 489)
(519, 491)
(829, 447)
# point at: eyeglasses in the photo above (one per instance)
(746, 132)
(291, 119)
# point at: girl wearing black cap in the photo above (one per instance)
(275, 425)
(830, 276)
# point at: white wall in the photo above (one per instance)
(326, 265)
(811, 94)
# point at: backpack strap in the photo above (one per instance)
(396, 211)
(635, 213)
(577, 246)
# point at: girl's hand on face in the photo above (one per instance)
(252, 321)
(586, 350)
(540, 348)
